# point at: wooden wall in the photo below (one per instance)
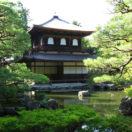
(60, 70)
(56, 47)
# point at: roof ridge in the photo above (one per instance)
(46, 22)
(63, 21)
(54, 17)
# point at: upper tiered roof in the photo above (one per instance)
(56, 23)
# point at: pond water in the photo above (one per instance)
(106, 102)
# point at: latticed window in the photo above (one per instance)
(33, 44)
(41, 41)
(63, 41)
(50, 40)
(75, 42)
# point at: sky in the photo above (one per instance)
(89, 13)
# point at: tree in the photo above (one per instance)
(88, 45)
(14, 42)
(76, 23)
(114, 40)
(121, 6)
(14, 39)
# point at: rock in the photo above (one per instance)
(125, 107)
(105, 86)
(1, 110)
(31, 105)
(53, 104)
(24, 100)
(10, 111)
(44, 103)
(45, 100)
(111, 86)
(84, 93)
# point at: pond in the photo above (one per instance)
(106, 102)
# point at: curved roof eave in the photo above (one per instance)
(57, 29)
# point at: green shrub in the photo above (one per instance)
(40, 95)
(120, 123)
(128, 91)
(8, 124)
(68, 119)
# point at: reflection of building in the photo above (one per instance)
(56, 50)
(65, 101)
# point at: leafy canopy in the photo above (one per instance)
(114, 42)
(14, 39)
(14, 42)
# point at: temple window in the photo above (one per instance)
(41, 41)
(75, 42)
(50, 41)
(33, 44)
(63, 41)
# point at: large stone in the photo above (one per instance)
(10, 111)
(52, 104)
(104, 86)
(126, 106)
(83, 93)
(31, 105)
(44, 103)
(24, 100)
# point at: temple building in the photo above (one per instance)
(57, 52)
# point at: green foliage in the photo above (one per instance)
(16, 78)
(103, 78)
(23, 14)
(68, 119)
(76, 23)
(14, 38)
(128, 91)
(87, 45)
(39, 78)
(40, 95)
(26, 75)
(14, 42)
(120, 123)
(8, 124)
(121, 6)
(114, 41)
(110, 79)
(7, 86)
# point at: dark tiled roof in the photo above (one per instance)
(58, 57)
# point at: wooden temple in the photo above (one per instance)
(57, 52)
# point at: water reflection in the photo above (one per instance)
(103, 102)
(76, 101)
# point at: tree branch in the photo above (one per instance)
(130, 50)
(124, 65)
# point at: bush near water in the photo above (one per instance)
(128, 91)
